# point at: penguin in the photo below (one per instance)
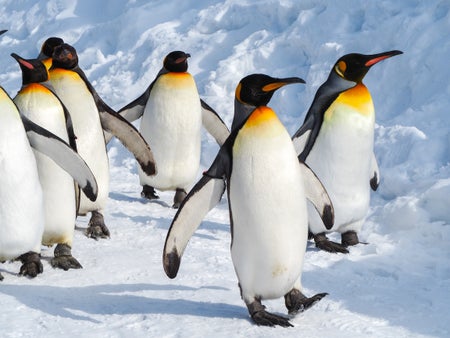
(22, 208)
(47, 48)
(172, 115)
(267, 187)
(90, 116)
(42, 106)
(336, 140)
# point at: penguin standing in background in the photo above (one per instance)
(42, 106)
(267, 189)
(47, 49)
(336, 140)
(172, 115)
(90, 116)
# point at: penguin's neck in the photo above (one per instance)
(357, 97)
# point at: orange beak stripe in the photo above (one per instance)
(273, 86)
(376, 60)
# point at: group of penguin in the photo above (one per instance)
(282, 190)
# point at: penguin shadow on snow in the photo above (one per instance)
(114, 300)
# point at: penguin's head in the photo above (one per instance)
(49, 46)
(64, 56)
(176, 62)
(353, 67)
(257, 89)
(33, 70)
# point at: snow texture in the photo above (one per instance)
(398, 285)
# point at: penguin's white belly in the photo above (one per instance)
(87, 128)
(58, 186)
(21, 207)
(171, 125)
(268, 209)
(341, 158)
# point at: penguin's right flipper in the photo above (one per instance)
(59, 151)
(135, 109)
(214, 124)
(203, 197)
(317, 195)
(375, 171)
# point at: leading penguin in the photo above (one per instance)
(47, 48)
(22, 208)
(336, 140)
(267, 188)
(172, 115)
(90, 116)
(42, 106)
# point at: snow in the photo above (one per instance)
(398, 285)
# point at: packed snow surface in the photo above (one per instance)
(397, 285)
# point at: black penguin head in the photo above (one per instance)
(64, 56)
(49, 46)
(176, 62)
(354, 67)
(33, 70)
(257, 89)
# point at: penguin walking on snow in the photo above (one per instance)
(172, 115)
(22, 209)
(42, 106)
(90, 116)
(267, 189)
(336, 140)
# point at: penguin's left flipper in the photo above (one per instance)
(214, 124)
(129, 136)
(317, 195)
(203, 197)
(375, 178)
(59, 151)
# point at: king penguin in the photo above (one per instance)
(22, 209)
(42, 106)
(336, 140)
(172, 116)
(90, 116)
(267, 188)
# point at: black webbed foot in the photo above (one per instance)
(31, 264)
(149, 193)
(1, 277)
(63, 258)
(180, 195)
(97, 228)
(349, 238)
(261, 317)
(323, 243)
(297, 302)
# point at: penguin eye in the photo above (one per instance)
(340, 68)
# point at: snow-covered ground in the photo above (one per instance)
(398, 285)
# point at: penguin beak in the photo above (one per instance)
(375, 58)
(183, 59)
(280, 83)
(22, 61)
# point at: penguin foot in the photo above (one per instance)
(349, 238)
(149, 193)
(63, 258)
(97, 228)
(297, 302)
(180, 195)
(31, 264)
(1, 277)
(323, 243)
(261, 317)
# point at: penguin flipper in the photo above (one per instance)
(130, 137)
(3, 31)
(214, 124)
(375, 178)
(135, 109)
(318, 196)
(59, 151)
(203, 197)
